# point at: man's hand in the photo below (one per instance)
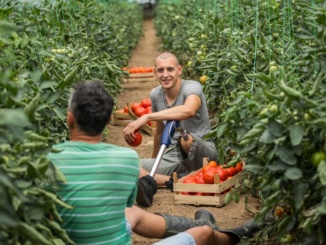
(129, 130)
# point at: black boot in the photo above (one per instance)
(177, 224)
(147, 188)
(246, 230)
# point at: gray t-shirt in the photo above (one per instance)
(199, 124)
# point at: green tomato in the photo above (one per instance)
(273, 108)
(272, 68)
(287, 239)
(307, 117)
(317, 157)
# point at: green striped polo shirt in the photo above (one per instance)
(101, 183)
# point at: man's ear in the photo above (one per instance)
(70, 119)
(180, 69)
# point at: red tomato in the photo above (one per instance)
(139, 111)
(199, 194)
(238, 167)
(222, 174)
(199, 179)
(209, 176)
(206, 168)
(228, 171)
(234, 170)
(212, 164)
(148, 109)
(190, 180)
(149, 123)
(134, 106)
(146, 103)
(137, 140)
(126, 109)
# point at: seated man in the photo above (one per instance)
(183, 101)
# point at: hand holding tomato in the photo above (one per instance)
(137, 140)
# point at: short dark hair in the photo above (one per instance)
(91, 106)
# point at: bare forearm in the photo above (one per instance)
(174, 113)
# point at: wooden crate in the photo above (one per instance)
(121, 118)
(217, 191)
(141, 75)
(149, 129)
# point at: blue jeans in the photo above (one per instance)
(182, 238)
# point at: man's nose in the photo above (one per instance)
(165, 73)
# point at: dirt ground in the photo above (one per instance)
(144, 54)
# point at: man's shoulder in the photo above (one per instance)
(156, 89)
(190, 82)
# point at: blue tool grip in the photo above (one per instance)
(168, 132)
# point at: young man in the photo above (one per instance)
(101, 182)
(173, 99)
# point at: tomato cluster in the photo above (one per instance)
(138, 69)
(142, 108)
(207, 173)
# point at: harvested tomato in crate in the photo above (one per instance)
(208, 185)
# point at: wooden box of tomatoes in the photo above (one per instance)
(208, 185)
(138, 109)
(121, 117)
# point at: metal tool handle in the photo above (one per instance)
(166, 140)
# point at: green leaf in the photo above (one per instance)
(299, 190)
(322, 172)
(7, 220)
(296, 134)
(47, 84)
(277, 166)
(275, 128)
(254, 168)
(293, 173)
(30, 233)
(286, 155)
(220, 129)
(267, 137)
(36, 75)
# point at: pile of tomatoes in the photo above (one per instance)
(141, 108)
(207, 173)
(138, 69)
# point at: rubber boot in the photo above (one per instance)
(246, 230)
(177, 224)
(147, 188)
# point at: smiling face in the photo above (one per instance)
(168, 70)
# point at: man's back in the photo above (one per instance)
(101, 182)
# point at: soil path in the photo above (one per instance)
(135, 90)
